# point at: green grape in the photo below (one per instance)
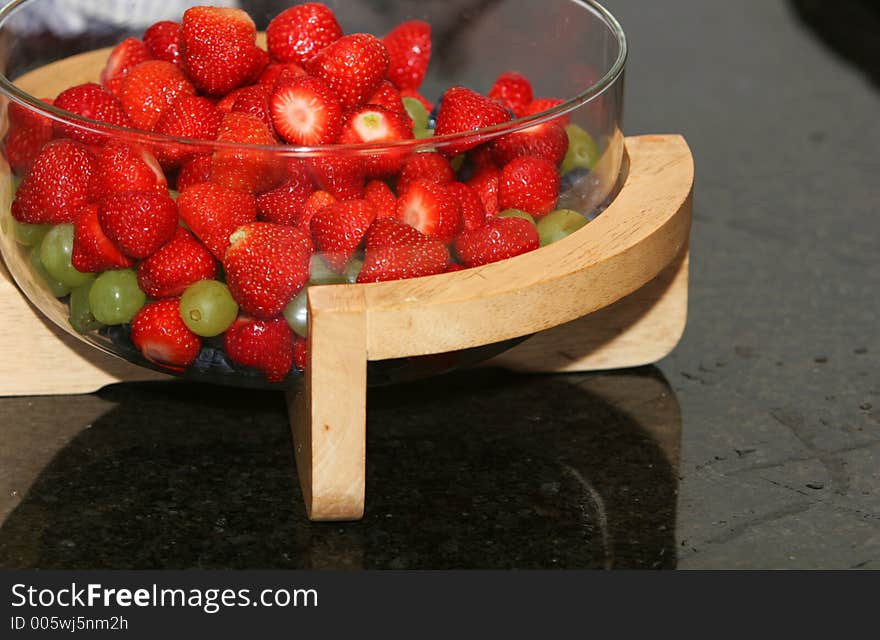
(30, 235)
(582, 150)
(208, 308)
(297, 314)
(558, 224)
(56, 288)
(115, 297)
(55, 251)
(320, 273)
(421, 134)
(417, 112)
(81, 317)
(352, 269)
(516, 213)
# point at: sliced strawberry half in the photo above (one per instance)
(306, 112)
(123, 58)
(431, 209)
(93, 251)
(372, 125)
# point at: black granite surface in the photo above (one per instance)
(756, 444)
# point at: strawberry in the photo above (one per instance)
(395, 251)
(313, 204)
(123, 58)
(244, 169)
(342, 176)
(57, 185)
(177, 264)
(373, 125)
(254, 99)
(428, 165)
(300, 353)
(530, 184)
(485, 184)
(547, 140)
(284, 205)
(23, 145)
(225, 104)
(266, 265)
(93, 251)
(218, 49)
(149, 89)
(453, 266)
(513, 90)
(213, 212)
(379, 194)
(409, 93)
(543, 104)
(386, 95)
(259, 60)
(409, 51)
(194, 171)
(92, 101)
(481, 157)
(298, 33)
(353, 66)
(277, 72)
(431, 209)
(339, 229)
(306, 112)
(266, 345)
(189, 116)
(123, 167)
(160, 334)
(464, 110)
(473, 214)
(162, 40)
(498, 239)
(138, 222)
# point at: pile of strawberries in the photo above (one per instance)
(260, 214)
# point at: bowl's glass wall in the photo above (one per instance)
(569, 49)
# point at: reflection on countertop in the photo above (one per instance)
(479, 469)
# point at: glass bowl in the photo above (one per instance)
(571, 50)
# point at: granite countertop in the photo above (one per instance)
(756, 444)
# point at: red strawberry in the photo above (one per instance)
(409, 51)
(480, 157)
(259, 60)
(297, 33)
(465, 110)
(373, 125)
(498, 239)
(125, 56)
(196, 170)
(20, 116)
(409, 93)
(213, 212)
(217, 48)
(300, 353)
(280, 72)
(314, 203)
(57, 186)
(394, 251)
(254, 99)
(306, 112)
(177, 264)
(23, 145)
(246, 169)
(352, 66)
(530, 184)
(543, 104)
(428, 165)
(387, 96)
(547, 140)
(225, 104)
(138, 222)
(473, 214)
(93, 101)
(123, 167)
(485, 184)
(431, 209)
(266, 265)
(512, 89)
(453, 266)
(339, 229)
(162, 39)
(160, 334)
(93, 251)
(342, 176)
(379, 194)
(149, 89)
(284, 205)
(266, 345)
(191, 117)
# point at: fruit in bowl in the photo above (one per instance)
(182, 201)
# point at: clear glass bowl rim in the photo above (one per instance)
(33, 103)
